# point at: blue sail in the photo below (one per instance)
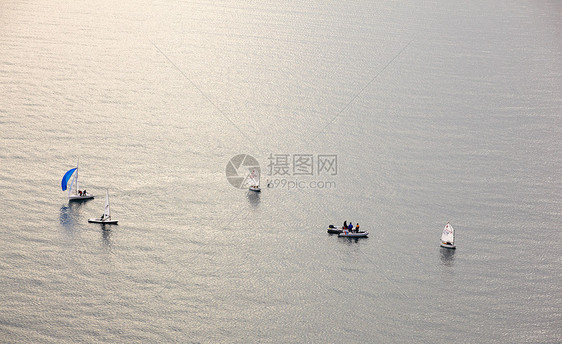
(66, 177)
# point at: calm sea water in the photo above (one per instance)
(436, 111)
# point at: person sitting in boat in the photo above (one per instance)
(84, 192)
(357, 227)
(80, 192)
(350, 227)
(345, 225)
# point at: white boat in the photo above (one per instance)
(106, 216)
(448, 237)
(73, 193)
(254, 181)
(348, 234)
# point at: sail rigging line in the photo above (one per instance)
(359, 93)
(200, 91)
(398, 289)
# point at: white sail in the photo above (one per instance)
(106, 216)
(448, 234)
(254, 179)
(106, 213)
(74, 194)
(73, 190)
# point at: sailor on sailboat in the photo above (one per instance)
(105, 218)
(73, 193)
(254, 181)
(448, 237)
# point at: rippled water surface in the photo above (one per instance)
(436, 111)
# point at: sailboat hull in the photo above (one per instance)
(255, 189)
(105, 222)
(80, 198)
(448, 246)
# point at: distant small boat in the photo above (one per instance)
(254, 181)
(73, 193)
(348, 234)
(334, 230)
(448, 237)
(106, 216)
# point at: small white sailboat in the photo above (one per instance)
(254, 181)
(73, 193)
(448, 237)
(106, 216)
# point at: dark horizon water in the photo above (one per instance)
(435, 112)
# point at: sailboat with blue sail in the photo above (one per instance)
(74, 193)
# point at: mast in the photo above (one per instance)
(76, 189)
(106, 211)
(74, 185)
